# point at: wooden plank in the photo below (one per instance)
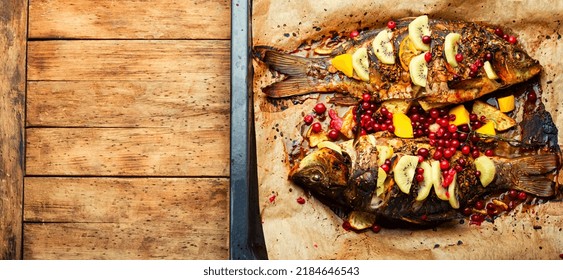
(127, 152)
(193, 105)
(126, 218)
(202, 202)
(129, 60)
(13, 23)
(91, 241)
(165, 19)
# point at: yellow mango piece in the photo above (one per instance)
(506, 103)
(343, 63)
(461, 115)
(403, 126)
(487, 129)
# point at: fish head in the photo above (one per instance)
(324, 172)
(512, 65)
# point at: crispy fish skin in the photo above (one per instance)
(445, 84)
(343, 181)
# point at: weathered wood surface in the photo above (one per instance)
(13, 22)
(127, 141)
(126, 218)
(95, 19)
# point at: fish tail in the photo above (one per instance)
(534, 174)
(297, 68)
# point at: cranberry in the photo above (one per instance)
(482, 118)
(476, 219)
(428, 57)
(491, 206)
(473, 67)
(467, 211)
(522, 196)
(489, 153)
(376, 228)
(391, 128)
(366, 97)
(472, 74)
(385, 167)
(512, 204)
(383, 126)
(462, 162)
(420, 159)
(437, 155)
(505, 37)
(300, 200)
(532, 96)
(308, 119)
(423, 152)
(333, 134)
(388, 162)
(419, 177)
(317, 127)
(426, 39)
(492, 212)
(376, 127)
(475, 153)
(320, 108)
(477, 173)
(512, 40)
(454, 143)
(434, 113)
(513, 194)
(458, 168)
(448, 153)
(479, 63)
(444, 164)
(383, 111)
(499, 32)
(391, 24)
(440, 132)
(346, 226)
(480, 205)
(465, 150)
(459, 57)
(475, 138)
(488, 56)
(354, 34)
(452, 128)
(463, 136)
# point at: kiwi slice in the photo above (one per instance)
(404, 171)
(360, 63)
(486, 166)
(450, 48)
(418, 70)
(426, 184)
(383, 48)
(452, 188)
(437, 180)
(417, 28)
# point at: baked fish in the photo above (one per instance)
(385, 179)
(437, 62)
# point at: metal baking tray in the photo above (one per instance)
(246, 238)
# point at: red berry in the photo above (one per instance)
(522, 196)
(383, 127)
(300, 200)
(473, 67)
(479, 63)
(308, 119)
(532, 96)
(444, 164)
(333, 134)
(419, 177)
(490, 206)
(391, 24)
(513, 194)
(499, 32)
(388, 162)
(320, 108)
(376, 228)
(465, 150)
(458, 168)
(383, 111)
(434, 113)
(385, 167)
(454, 143)
(426, 39)
(472, 73)
(366, 97)
(505, 37)
(475, 153)
(477, 173)
(448, 153)
(480, 205)
(489, 153)
(428, 57)
(423, 152)
(467, 211)
(420, 159)
(391, 128)
(376, 127)
(512, 40)
(317, 127)
(437, 155)
(459, 57)
(419, 170)
(354, 34)
(452, 128)
(488, 56)
(346, 226)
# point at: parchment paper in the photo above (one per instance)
(311, 230)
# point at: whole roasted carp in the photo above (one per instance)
(437, 62)
(349, 177)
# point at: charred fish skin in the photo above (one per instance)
(445, 84)
(526, 173)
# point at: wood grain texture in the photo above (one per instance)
(13, 23)
(126, 218)
(129, 60)
(194, 105)
(164, 19)
(127, 152)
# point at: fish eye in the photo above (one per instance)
(519, 56)
(316, 177)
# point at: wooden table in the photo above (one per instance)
(114, 133)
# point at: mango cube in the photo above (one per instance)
(343, 63)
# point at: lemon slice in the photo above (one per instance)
(403, 125)
(343, 63)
